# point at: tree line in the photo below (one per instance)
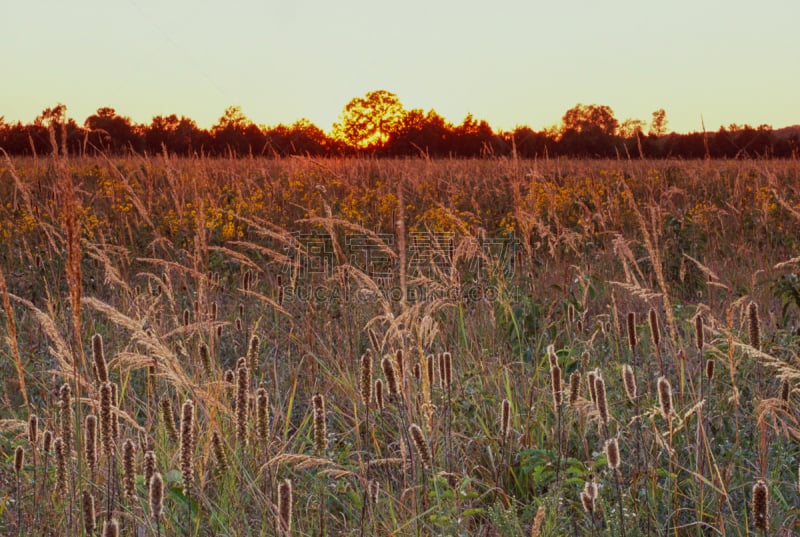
(378, 125)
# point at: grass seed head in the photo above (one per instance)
(90, 441)
(128, 471)
(574, 386)
(612, 453)
(655, 331)
(420, 444)
(629, 380)
(760, 505)
(699, 336)
(755, 330)
(89, 514)
(320, 426)
(505, 418)
(285, 506)
(155, 497)
(601, 401)
(99, 356)
(632, 330)
(665, 397)
(365, 379)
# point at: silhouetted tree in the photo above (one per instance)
(658, 125)
(109, 132)
(368, 122)
(420, 133)
(588, 130)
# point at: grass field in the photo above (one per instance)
(400, 347)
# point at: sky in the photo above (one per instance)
(507, 61)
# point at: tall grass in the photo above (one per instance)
(399, 347)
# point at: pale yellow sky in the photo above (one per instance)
(510, 62)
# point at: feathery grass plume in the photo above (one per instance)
(710, 368)
(505, 418)
(699, 339)
(128, 472)
(379, 394)
(61, 467)
(19, 460)
(89, 514)
(149, 466)
(99, 358)
(629, 380)
(114, 415)
(219, 452)
(632, 330)
(655, 331)
(169, 419)
(420, 444)
(241, 405)
(755, 329)
(374, 490)
(574, 386)
(612, 453)
(252, 352)
(555, 385)
(285, 506)
(320, 426)
(106, 428)
(760, 505)
(365, 379)
(111, 528)
(665, 397)
(205, 356)
(186, 317)
(262, 415)
(65, 411)
(187, 446)
(600, 399)
(155, 497)
(536, 527)
(90, 442)
(389, 373)
(448, 368)
(591, 380)
(786, 390)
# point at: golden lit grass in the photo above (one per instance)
(178, 267)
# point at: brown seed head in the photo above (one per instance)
(90, 442)
(389, 373)
(374, 491)
(665, 397)
(584, 360)
(710, 369)
(379, 394)
(65, 412)
(420, 444)
(128, 472)
(612, 453)
(755, 331)
(89, 516)
(365, 379)
(205, 356)
(601, 403)
(99, 358)
(252, 352)
(505, 418)
(155, 497)
(169, 419)
(47, 442)
(632, 330)
(629, 380)
(760, 505)
(114, 415)
(241, 404)
(106, 427)
(33, 430)
(61, 467)
(448, 369)
(19, 459)
(320, 427)
(285, 506)
(699, 339)
(551, 355)
(262, 415)
(587, 503)
(655, 332)
(399, 365)
(219, 452)
(786, 390)
(591, 380)
(187, 446)
(555, 385)
(111, 528)
(149, 465)
(574, 386)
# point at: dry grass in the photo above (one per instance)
(381, 347)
